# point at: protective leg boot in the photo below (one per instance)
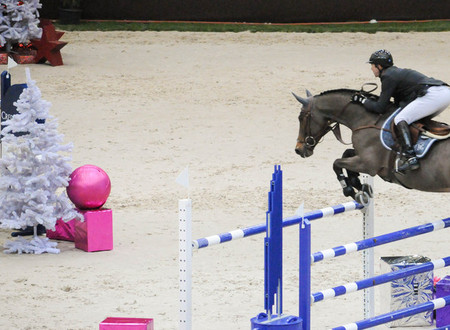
(411, 162)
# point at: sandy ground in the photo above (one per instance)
(143, 106)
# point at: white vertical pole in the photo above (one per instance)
(368, 254)
(185, 240)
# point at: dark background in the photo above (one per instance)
(273, 11)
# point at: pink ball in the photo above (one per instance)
(89, 187)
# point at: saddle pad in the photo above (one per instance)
(422, 146)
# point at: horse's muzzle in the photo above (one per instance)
(303, 150)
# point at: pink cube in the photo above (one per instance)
(124, 323)
(443, 314)
(96, 232)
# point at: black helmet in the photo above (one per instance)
(382, 57)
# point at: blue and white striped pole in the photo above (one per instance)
(392, 316)
(380, 279)
(261, 228)
(380, 240)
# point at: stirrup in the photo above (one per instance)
(410, 164)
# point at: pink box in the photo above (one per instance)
(64, 231)
(443, 314)
(124, 323)
(96, 232)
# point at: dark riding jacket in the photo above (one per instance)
(404, 85)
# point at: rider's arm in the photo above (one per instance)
(387, 90)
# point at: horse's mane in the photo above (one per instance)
(391, 107)
(340, 90)
(349, 91)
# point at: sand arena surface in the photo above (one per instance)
(143, 106)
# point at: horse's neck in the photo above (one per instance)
(353, 115)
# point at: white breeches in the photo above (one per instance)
(433, 103)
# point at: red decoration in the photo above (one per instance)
(49, 46)
(3, 58)
(26, 57)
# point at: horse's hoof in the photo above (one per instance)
(367, 188)
(355, 182)
(349, 192)
(362, 198)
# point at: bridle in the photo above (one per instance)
(311, 141)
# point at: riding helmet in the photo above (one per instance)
(382, 57)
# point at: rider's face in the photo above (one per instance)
(375, 70)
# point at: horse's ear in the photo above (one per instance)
(300, 99)
(308, 93)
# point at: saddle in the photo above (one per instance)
(426, 127)
(424, 133)
(431, 128)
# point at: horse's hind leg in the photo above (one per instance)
(350, 182)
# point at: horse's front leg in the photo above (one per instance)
(349, 182)
(353, 166)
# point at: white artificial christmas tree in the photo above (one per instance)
(33, 172)
(19, 22)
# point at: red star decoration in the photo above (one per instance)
(49, 47)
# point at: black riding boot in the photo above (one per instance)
(411, 162)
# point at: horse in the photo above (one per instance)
(323, 113)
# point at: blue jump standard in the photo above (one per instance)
(273, 264)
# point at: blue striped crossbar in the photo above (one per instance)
(380, 279)
(399, 314)
(380, 240)
(261, 228)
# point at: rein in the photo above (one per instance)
(337, 130)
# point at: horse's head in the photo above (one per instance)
(313, 126)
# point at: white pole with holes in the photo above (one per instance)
(185, 239)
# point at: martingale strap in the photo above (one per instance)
(337, 133)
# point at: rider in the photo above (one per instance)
(417, 95)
